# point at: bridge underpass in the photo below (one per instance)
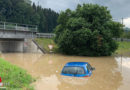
(17, 37)
(12, 45)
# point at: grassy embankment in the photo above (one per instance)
(14, 78)
(124, 47)
(44, 42)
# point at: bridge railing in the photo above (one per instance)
(45, 35)
(16, 26)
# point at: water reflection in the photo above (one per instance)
(74, 80)
(47, 83)
(47, 68)
(124, 65)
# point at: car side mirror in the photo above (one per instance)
(92, 68)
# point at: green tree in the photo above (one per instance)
(87, 31)
(21, 11)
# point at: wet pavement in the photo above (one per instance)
(112, 73)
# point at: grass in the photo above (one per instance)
(44, 42)
(124, 47)
(13, 77)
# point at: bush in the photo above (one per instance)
(87, 31)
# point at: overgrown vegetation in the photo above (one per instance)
(18, 11)
(44, 42)
(13, 77)
(87, 31)
(124, 47)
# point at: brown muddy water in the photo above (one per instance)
(112, 73)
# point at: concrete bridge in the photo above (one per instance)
(16, 37)
(17, 31)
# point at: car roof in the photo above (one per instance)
(76, 63)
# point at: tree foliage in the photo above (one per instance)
(19, 11)
(87, 31)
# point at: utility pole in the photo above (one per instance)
(38, 2)
(123, 26)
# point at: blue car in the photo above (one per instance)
(77, 69)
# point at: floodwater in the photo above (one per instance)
(112, 73)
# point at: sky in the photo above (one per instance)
(118, 8)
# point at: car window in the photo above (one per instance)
(73, 70)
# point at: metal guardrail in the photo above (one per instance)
(122, 39)
(16, 26)
(45, 35)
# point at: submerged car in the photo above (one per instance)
(77, 69)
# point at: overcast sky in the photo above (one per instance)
(118, 8)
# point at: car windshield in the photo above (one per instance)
(73, 70)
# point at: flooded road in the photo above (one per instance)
(112, 73)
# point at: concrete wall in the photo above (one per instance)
(31, 47)
(18, 45)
